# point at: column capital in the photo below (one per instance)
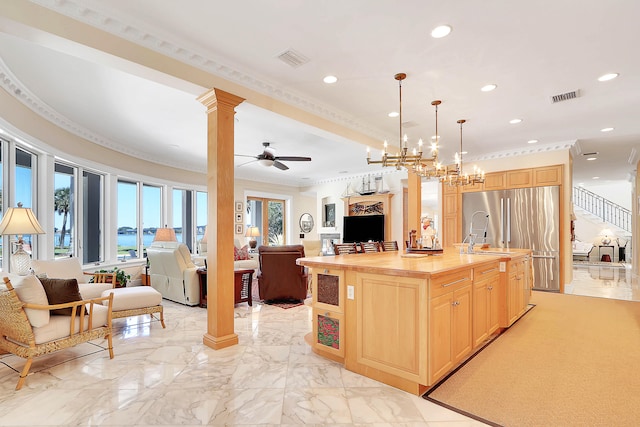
(214, 97)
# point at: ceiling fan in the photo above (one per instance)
(268, 158)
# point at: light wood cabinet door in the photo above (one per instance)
(547, 176)
(494, 305)
(521, 178)
(495, 181)
(462, 334)
(327, 288)
(440, 336)
(328, 333)
(481, 307)
(486, 321)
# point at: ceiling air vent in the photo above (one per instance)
(293, 58)
(565, 96)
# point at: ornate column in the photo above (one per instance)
(220, 183)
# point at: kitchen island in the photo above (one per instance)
(406, 319)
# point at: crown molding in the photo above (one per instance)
(127, 31)
(558, 146)
(12, 85)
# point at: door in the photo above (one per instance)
(268, 216)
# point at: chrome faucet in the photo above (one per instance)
(470, 240)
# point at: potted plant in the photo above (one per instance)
(122, 278)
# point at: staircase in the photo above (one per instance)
(600, 209)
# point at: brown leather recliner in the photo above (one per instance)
(280, 277)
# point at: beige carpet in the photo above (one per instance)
(571, 360)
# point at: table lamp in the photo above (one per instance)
(165, 235)
(20, 221)
(252, 232)
(606, 239)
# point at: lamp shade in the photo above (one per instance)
(165, 235)
(252, 232)
(20, 221)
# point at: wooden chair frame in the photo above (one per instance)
(15, 327)
(370, 247)
(344, 248)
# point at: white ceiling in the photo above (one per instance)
(531, 50)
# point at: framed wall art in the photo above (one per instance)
(239, 228)
(238, 206)
(239, 217)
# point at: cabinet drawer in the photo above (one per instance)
(441, 284)
(486, 272)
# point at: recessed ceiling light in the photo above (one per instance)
(441, 31)
(330, 79)
(607, 77)
(394, 114)
(606, 130)
(343, 171)
(592, 158)
(532, 141)
(596, 177)
(488, 88)
(515, 121)
(465, 152)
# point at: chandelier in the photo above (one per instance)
(432, 168)
(401, 158)
(455, 176)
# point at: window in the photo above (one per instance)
(127, 218)
(24, 188)
(64, 211)
(202, 210)
(151, 215)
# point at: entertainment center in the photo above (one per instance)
(377, 207)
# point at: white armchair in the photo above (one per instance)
(70, 268)
(173, 274)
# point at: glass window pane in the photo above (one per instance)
(152, 214)
(25, 163)
(201, 214)
(127, 218)
(64, 208)
(178, 213)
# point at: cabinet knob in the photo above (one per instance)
(490, 288)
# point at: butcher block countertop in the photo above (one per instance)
(399, 263)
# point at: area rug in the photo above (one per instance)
(285, 304)
(572, 360)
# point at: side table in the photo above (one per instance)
(242, 286)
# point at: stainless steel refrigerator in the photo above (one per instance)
(526, 218)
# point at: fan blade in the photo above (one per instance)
(244, 155)
(246, 163)
(293, 158)
(280, 166)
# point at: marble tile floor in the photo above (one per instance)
(167, 377)
(605, 282)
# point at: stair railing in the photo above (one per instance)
(602, 208)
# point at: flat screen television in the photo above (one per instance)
(363, 228)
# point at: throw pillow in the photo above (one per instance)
(60, 291)
(30, 290)
(241, 254)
